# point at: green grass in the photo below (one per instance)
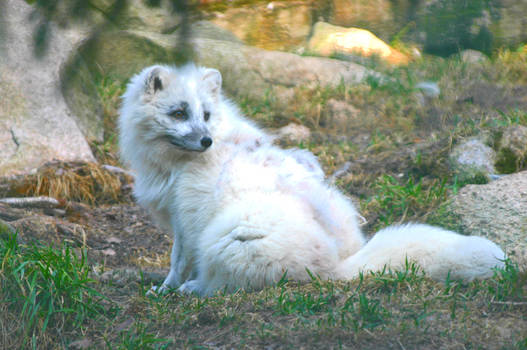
(138, 338)
(404, 200)
(362, 313)
(50, 300)
(110, 92)
(49, 289)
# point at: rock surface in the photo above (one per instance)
(328, 39)
(36, 125)
(246, 71)
(498, 211)
(280, 26)
(442, 27)
(140, 16)
(156, 15)
(471, 159)
(284, 25)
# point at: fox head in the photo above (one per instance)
(172, 111)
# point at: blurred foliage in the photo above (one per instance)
(66, 12)
(453, 25)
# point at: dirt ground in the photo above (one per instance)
(116, 236)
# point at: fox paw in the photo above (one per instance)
(191, 287)
(158, 290)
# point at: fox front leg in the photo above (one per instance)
(178, 264)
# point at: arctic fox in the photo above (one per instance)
(244, 211)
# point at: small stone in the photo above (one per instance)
(429, 89)
(472, 159)
(472, 56)
(108, 252)
(340, 113)
(55, 212)
(294, 132)
(81, 344)
(114, 240)
(115, 169)
(124, 325)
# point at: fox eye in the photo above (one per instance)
(206, 116)
(178, 114)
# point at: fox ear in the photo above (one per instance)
(154, 81)
(212, 80)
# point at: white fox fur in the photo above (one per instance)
(243, 211)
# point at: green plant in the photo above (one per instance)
(304, 303)
(508, 283)
(47, 287)
(392, 281)
(398, 202)
(138, 338)
(110, 92)
(370, 311)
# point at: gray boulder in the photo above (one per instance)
(497, 210)
(137, 14)
(278, 25)
(209, 30)
(36, 124)
(247, 71)
(471, 160)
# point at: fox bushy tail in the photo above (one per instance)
(440, 253)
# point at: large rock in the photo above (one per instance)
(441, 27)
(272, 26)
(284, 25)
(139, 15)
(498, 211)
(209, 30)
(36, 123)
(156, 15)
(247, 71)
(378, 16)
(328, 40)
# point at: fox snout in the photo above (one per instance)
(196, 142)
(206, 141)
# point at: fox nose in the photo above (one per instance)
(206, 142)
